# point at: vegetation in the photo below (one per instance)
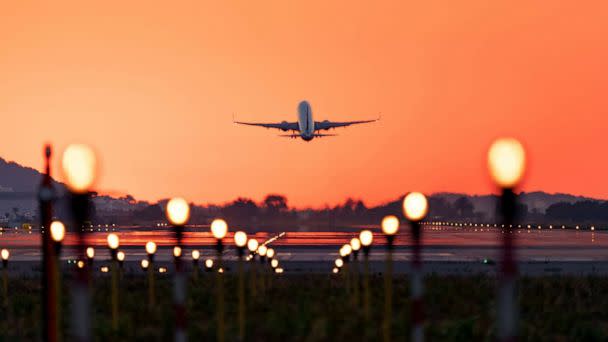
(318, 308)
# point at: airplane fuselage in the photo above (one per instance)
(306, 124)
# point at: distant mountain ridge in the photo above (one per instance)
(19, 186)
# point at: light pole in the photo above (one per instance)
(240, 240)
(219, 229)
(195, 257)
(79, 165)
(415, 208)
(150, 250)
(113, 244)
(57, 230)
(5, 254)
(178, 213)
(506, 163)
(252, 246)
(345, 251)
(269, 257)
(355, 245)
(390, 226)
(50, 312)
(90, 253)
(120, 256)
(208, 265)
(262, 249)
(366, 237)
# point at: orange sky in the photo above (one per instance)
(153, 86)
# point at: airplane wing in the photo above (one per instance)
(283, 126)
(325, 125)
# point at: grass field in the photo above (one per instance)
(318, 308)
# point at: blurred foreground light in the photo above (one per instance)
(507, 162)
(145, 263)
(355, 244)
(57, 231)
(79, 166)
(252, 245)
(240, 239)
(335, 270)
(274, 263)
(262, 250)
(113, 241)
(104, 269)
(221, 270)
(120, 256)
(162, 270)
(209, 263)
(150, 247)
(196, 254)
(339, 263)
(178, 211)
(5, 254)
(390, 225)
(366, 237)
(415, 206)
(270, 253)
(90, 252)
(279, 270)
(345, 250)
(80, 264)
(219, 228)
(177, 251)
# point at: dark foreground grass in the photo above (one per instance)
(318, 308)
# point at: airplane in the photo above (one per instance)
(305, 127)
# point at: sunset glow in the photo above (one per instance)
(153, 88)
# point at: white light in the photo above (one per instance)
(270, 253)
(219, 228)
(90, 252)
(240, 239)
(415, 206)
(507, 162)
(57, 231)
(178, 211)
(145, 263)
(262, 250)
(79, 166)
(150, 247)
(252, 245)
(209, 263)
(355, 244)
(366, 237)
(5, 254)
(196, 254)
(274, 263)
(113, 241)
(177, 251)
(339, 263)
(120, 256)
(390, 225)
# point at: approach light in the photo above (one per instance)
(366, 237)
(240, 239)
(57, 231)
(390, 225)
(178, 211)
(507, 162)
(415, 206)
(79, 166)
(219, 228)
